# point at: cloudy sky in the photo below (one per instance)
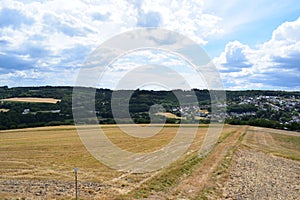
(253, 44)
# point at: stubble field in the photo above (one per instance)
(32, 100)
(38, 163)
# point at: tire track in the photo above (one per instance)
(193, 185)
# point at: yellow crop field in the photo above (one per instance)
(38, 163)
(168, 115)
(32, 100)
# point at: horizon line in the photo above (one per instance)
(231, 90)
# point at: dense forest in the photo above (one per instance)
(275, 109)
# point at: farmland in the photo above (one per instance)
(168, 115)
(37, 163)
(33, 100)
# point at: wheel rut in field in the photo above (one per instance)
(192, 186)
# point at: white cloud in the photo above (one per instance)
(134, 64)
(58, 28)
(54, 20)
(285, 39)
(186, 17)
(234, 58)
(272, 65)
(54, 37)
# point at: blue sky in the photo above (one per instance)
(254, 45)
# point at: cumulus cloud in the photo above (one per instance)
(186, 17)
(234, 58)
(46, 42)
(47, 35)
(274, 64)
(135, 67)
(13, 18)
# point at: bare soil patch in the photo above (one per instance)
(258, 175)
(201, 178)
(260, 168)
(4, 110)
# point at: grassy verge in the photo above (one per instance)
(220, 175)
(167, 178)
(170, 177)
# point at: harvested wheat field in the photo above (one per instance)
(32, 100)
(247, 162)
(169, 115)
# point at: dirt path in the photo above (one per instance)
(257, 175)
(193, 185)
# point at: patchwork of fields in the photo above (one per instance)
(38, 163)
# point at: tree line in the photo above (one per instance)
(140, 102)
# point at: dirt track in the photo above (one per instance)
(257, 175)
(256, 171)
(192, 186)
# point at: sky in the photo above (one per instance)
(252, 44)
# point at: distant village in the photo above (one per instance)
(286, 110)
(289, 106)
(273, 109)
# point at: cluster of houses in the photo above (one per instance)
(290, 105)
(27, 111)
